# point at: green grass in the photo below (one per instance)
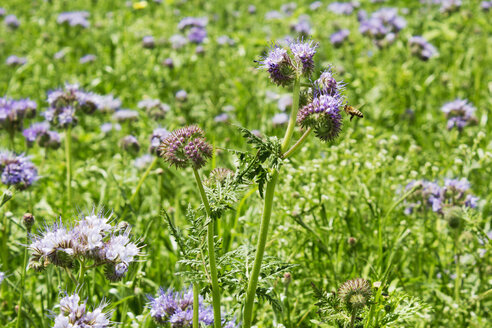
(326, 193)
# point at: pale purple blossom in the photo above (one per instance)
(14, 60)
(12, 21)
(126, 115)
(280, 119)
(17, 170)
(90, 58)
(339, 37)
(459, 113)
(75, 313)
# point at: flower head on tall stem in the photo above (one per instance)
(355, 294)
(186, 147)
(279, 66)
(304, 52)
(17, 170)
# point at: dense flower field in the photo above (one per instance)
(233, 164)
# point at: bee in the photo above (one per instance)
(354, 111)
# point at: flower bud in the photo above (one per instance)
(28, 221)
(355, 294)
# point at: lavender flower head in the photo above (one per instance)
(17, 170)
(280, 119)
(327, 84)
(90, 58)
(279, 66)
(178, 41)
(108, 127)
(126, 115)
(74, 313)
(158, 135)
(449, 6)
(197, 35)
(486, 5)
(14, 60)
(154, 107)
(186, 147)
(382, 24)
(12, 22)
(13, 112)
(130, 144)
(148, 42)
(74, 18)
(303, 56)
(323, 115)
(107, 103)
(459, 113)
(339, 37)
(176, 308)
(302, 27)
(189, 22)
(40, 133)
(92, 237)
(2, 277)
(341, 8)
(181, 95)
(421, 48)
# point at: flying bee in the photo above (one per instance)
(354, 111)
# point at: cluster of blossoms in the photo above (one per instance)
(12, 22)
(186, 147)
(14, 61)
(342, 8)
(64, 103)
(355, 294)
(91, 238)
(421, 48)
(74, 313)
(42, 135)
(157, 137)
(339, 37)
(13, 112)
(486, 5)
(176, 309)
(302, 27)
(382, 25)
(74, 18)
(283, 65)
(454, 192)
(126, 115)
(17, 170)
(154, 107)
(459, 113)
(196, 27)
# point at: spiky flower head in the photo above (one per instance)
(74, 313)
(13, 112)
(279, 66)
(327, 84)
(304, 52)
(355, 294)
(323, 114)
(186, 147)
(17, 170)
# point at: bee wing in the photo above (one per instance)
(360, 106)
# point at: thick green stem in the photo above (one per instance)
(298, 144)
(23, 280)
(211, 253)
(267, 213)
(68, 156)
(352, 320)
(196, 292)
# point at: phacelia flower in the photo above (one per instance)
(2, 277)
(221, 118)
(90, 58)
(303, 56)
(382, 25)
(92, 237)
(12, 22)
(327, 84)
(181, 95)
(74, 18)
(107, 103)
(14, 60)
(178, 41)
(74, 313)
(130, 144)
(126, 115)
(279, 66)
(186, 147)
(17, 170)
(486, 5)
(154, 107)
(459, 113)
(280, 119)
(13, 112)
(108, 127)
(341, 8)
(40, 133)
(323, 114)
(197, 35)
(158, 135)
(421, 48)
(302, 27)
(355, 294)
(189, 22)
(449, 6)
(339, 37)
(148, 42)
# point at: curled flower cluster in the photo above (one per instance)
(421, 48)
(74, 313)
(304, 52)
(13, 112)
(382, 25)
(176, 308)
(154, 107)
(327, 84)
(197, 28)
(91, 238)
(17, 170)
(186, 147)
(355, 294)
(454, 193)
(74, 18)
(323, 114)
(40, 133)
(64, 103)
(459, 113)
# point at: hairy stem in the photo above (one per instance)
(211, 253)
(267, 213)
(68, 156)
(195, 305)
(298, 144)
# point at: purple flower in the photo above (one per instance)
(279, 66)
(459, 114)
(449, 6)
(186, 147)
(181, 95)
(189, 22)
(486, 5)
(303, 26)
(221, 118)
(225, 40)
(14, 60)
(108, 127)
(126, 115)
(303, 55)
(280, 119)
(197, 35)
(74, 313)
(315, 5)
(272, 15)
(74, 18)
(341, 8)
(2, 12)
(130, 144)
(382, 24)
(288, 8)
(148, 42)
(107, 103)
(339, 37)
(17, 170)
(40, 132)
(251, 9)
(327, 84)
(284, 102)
(88, 59)
(13, 112)
(157, 137)
(168, 62)
(154, 107)
(2, 277)
(421, 48)
(323, 115)
(143, 161)
(12, 21)
(178, 41)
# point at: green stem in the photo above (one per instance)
(298, 144)
(81, 273)
(352, 320)
(68, 156)
(23, 280)
(457, 281)
(195, 305)
(142, 179)
(211, 253)
(267, 212)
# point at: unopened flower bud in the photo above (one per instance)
(28, 221)
(355, 294)
(352, 241)
(287, 278)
